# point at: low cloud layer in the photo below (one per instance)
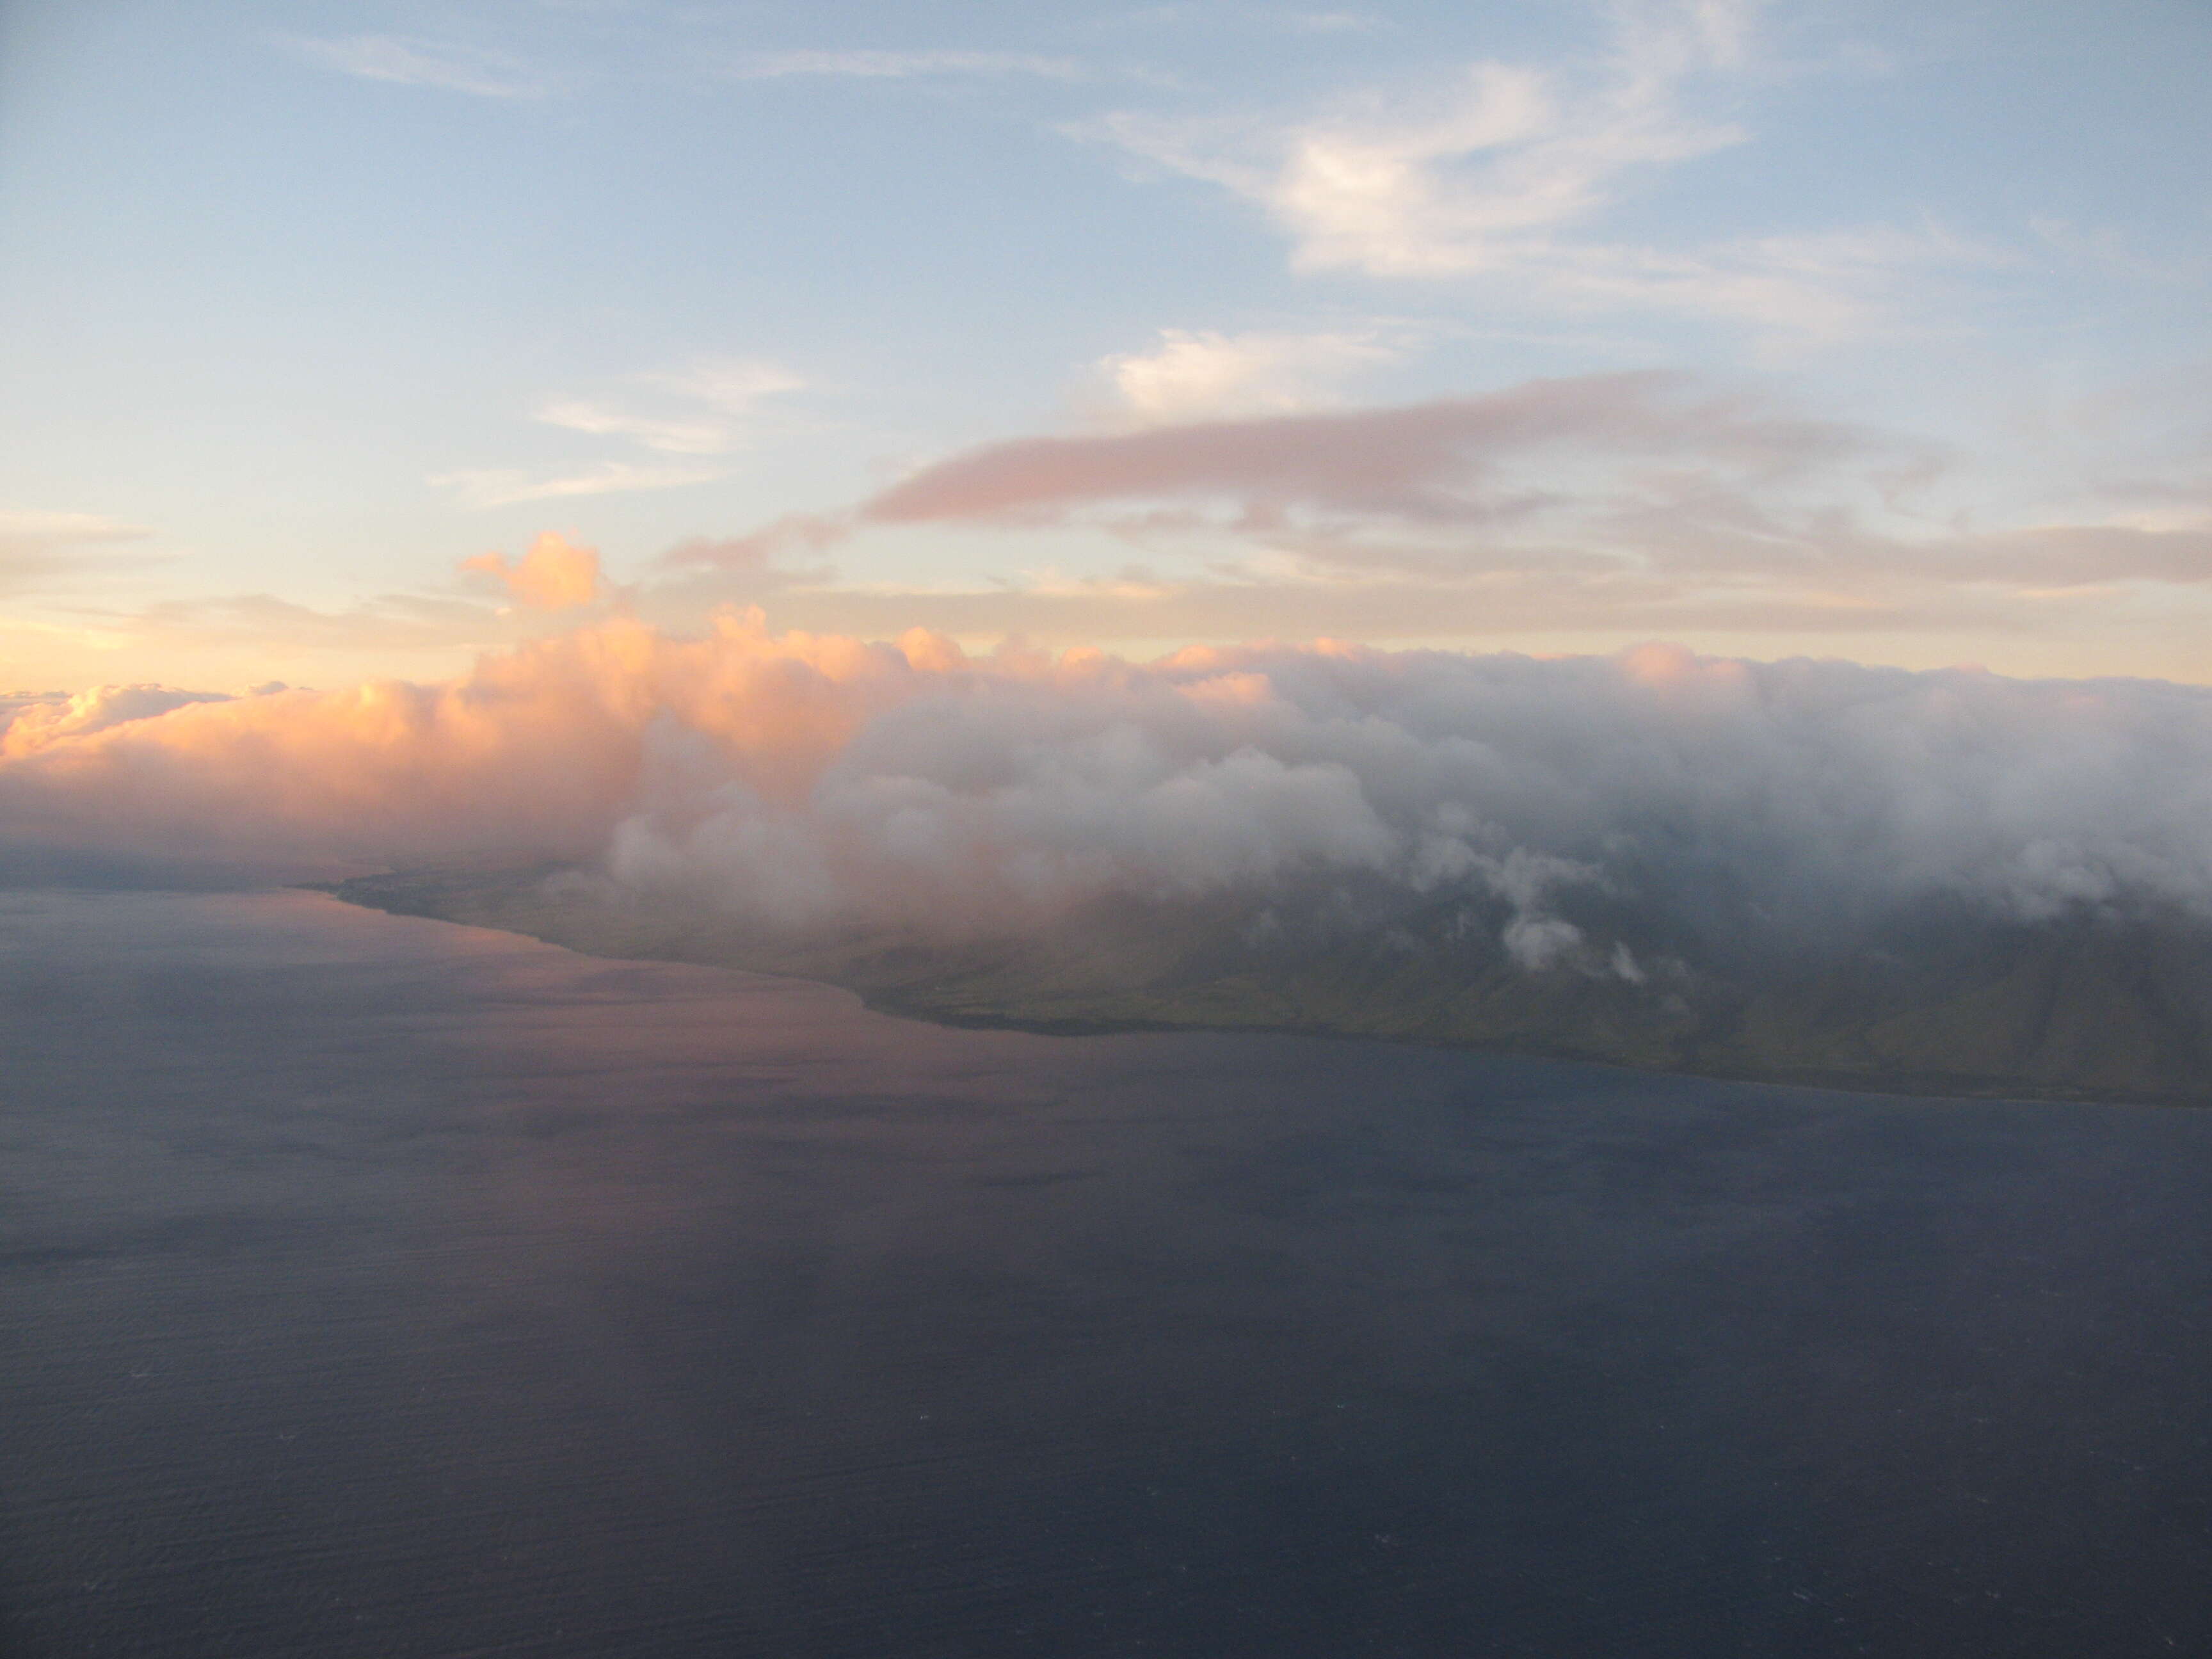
(824, 783)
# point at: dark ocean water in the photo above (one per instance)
(371, 1286)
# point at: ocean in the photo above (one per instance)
(374, 1286)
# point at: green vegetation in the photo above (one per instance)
(1950, 1003)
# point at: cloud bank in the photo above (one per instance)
(1602, 811)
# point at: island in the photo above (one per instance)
(1945, 1000)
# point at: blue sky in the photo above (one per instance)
(1864, 331)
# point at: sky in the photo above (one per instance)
(349, 341)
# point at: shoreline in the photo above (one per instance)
(358, 892)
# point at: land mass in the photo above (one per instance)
(1945, 1001)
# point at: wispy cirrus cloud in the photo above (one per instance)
(710, 407)
(28, 531)
(673, 437)
(1204, 375)
(735, 385)
(1508, 175)
(411, 61)
(720, 398)
(901, 65)
(36, 545)
(1384, 185)
(489, 487)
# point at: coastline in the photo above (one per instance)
(957, 993)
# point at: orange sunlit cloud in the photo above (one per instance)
(553, 575)
(822, 779)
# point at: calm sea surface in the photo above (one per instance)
(375, 1287)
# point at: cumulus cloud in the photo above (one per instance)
(553, 575)
(1605, 814)
(540, 749)
(31, 722)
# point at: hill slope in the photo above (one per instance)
(1945, 1001)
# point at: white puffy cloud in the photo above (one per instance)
(1601, 811)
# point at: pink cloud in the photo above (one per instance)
(1424, 461)
(552, 576)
